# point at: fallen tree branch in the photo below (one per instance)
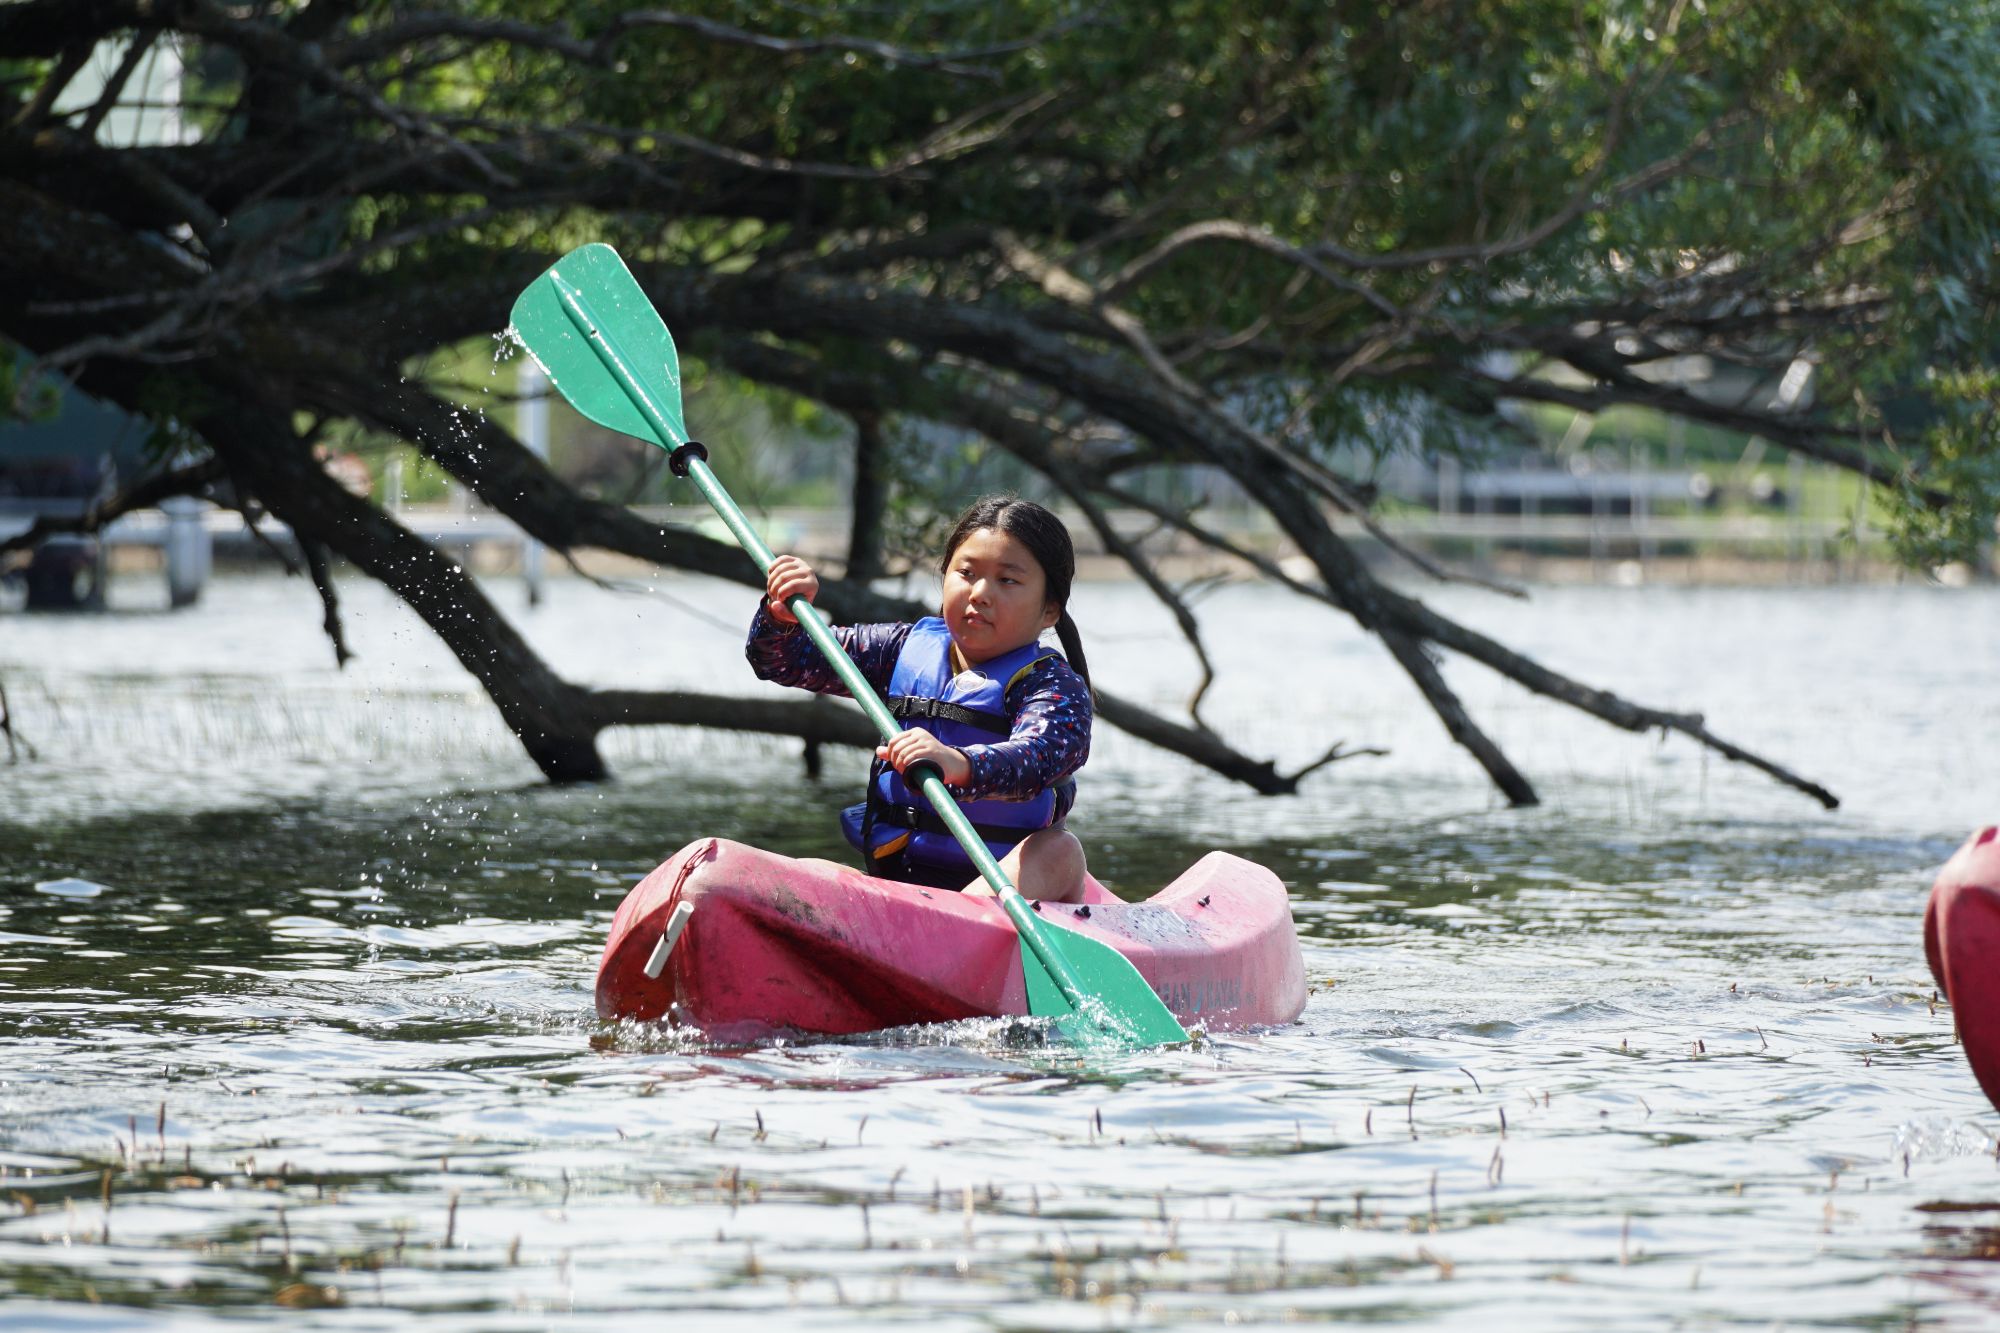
(192, 479)
(1158, 412)
(1142, 569)
(1524, 671)
(322, 581)
(547, 714)
(818, 720)
(15, 742)
(1411, 653)
(1417, 618)
(599, 49)
(1335, 753)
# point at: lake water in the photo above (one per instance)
(295, 993)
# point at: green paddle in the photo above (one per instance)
(604, 346)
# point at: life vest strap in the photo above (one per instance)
(904, 707)
(920, 820)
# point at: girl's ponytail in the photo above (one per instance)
(1072, 646)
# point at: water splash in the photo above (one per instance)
(1934, 1138)
(507, 345)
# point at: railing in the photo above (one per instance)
(821, 533)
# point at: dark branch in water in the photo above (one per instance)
(15, 742)
(322, 580)
(1602, 704)
(817, 721)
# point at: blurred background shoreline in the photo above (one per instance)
(1621, 548)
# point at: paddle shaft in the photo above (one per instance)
(697, 470)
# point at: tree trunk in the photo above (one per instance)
(864, 534)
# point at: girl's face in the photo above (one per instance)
(995, 596)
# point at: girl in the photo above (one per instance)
(1005, 719)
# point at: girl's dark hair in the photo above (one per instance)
(1046, 539)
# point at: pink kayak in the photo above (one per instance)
(744, 942)
(1962, 942)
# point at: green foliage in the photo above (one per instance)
(1375, 126)
(1962, 449)
(1751, 181)
(23, 395)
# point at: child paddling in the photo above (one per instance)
(1005, 719)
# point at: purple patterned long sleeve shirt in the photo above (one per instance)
(1049, 705)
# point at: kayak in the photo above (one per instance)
(743, 943)
(1962, 943)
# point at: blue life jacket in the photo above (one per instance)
(898, 830)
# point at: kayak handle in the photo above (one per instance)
(676, 923)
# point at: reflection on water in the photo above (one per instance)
(295, 986)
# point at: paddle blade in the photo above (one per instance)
(1118, 1009)
(627, 319)
(1045, 998)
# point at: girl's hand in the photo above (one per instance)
(917, 744)
(789, 577)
